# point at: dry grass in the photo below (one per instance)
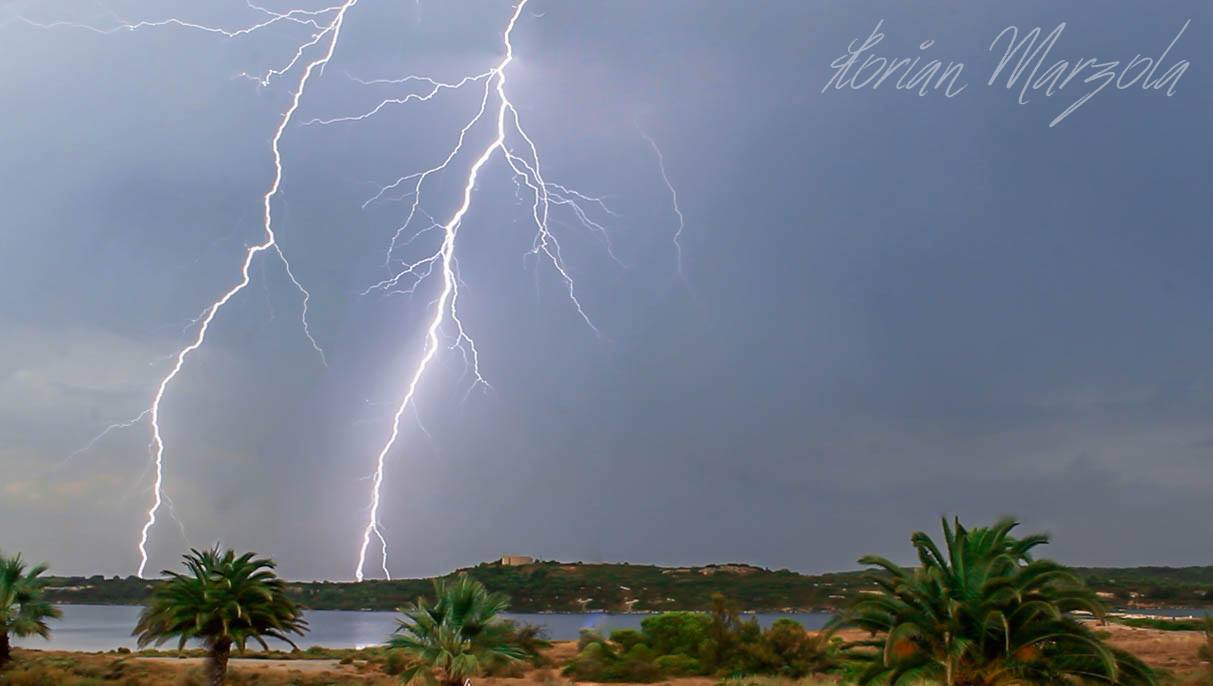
(1175, 651)
(38, 668)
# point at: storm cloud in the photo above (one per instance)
(897, 307)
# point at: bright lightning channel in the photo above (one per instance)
(526, 169)
(333, 29)
(327, 22)
(525, 166)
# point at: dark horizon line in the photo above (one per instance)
(538, 561)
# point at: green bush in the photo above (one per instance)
(592, 660)
(626, 638)
(637, 665)
(395, 663)
(799, 652)
(678, 665)
(586, 637)
(639, 653)
(675, 644)
(708, 652)
(599, 661)
(676, 633)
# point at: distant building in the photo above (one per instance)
(516, 560)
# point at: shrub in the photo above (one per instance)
(531, 640)
(798, 652)
(599, 661)
(592, 659)
(395, 662)
(639, 653)
(707, 652)
(585, 637)
(677, 644)
(636, 666)
(626, 638)
(678, 665)
(676, 633)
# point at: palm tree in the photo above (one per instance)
(23, 611)
(454, 637)
(222, 600)
(982, 612)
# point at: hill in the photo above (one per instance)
(545, 586)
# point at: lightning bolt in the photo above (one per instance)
(442, 263)
(445, 328)
(665, 178)
(116, 426)
(333, 29)
(327, 22)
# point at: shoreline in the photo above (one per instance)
(554, 587)
(621, 613)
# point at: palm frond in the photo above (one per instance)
(981, 610)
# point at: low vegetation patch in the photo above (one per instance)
(57, 669)
(716, 643)
(1161, 623)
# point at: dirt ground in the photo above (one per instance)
(1175, 651)
(255, 665)
(1172, 650)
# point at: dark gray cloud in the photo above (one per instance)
(899, 307)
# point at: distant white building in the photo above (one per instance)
(516, 560)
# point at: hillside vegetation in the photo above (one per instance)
(575, 587)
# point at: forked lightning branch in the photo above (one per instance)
(510, 142)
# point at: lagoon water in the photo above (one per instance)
(106, 627)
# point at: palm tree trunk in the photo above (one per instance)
(217, 663)
(5, 651)
(947, 639)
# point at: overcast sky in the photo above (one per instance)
(895, 307)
